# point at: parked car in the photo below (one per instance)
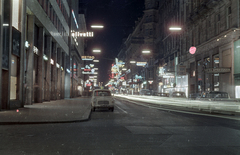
(194, 96)
(163, 94)
(145, 92)
(216, 96)
(178, 94)
(102, 98)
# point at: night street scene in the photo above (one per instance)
(120, 77)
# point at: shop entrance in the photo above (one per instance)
(14, 84)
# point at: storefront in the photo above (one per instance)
(237, 68)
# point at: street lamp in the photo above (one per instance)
(97, 26)
(96, 51)
(146, 51)
(175, 28)
(177, 58)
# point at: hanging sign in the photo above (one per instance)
(192, 50)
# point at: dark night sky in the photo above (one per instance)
(118, 18)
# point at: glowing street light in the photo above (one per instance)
(97, 26)
(146, 51)
(172, 29)
(96, 51)
(175, 28)
(132, 62)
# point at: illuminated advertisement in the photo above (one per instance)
(87, 57)
(82, 34)
(141, 63)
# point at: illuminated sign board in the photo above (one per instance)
(192, 50)
(138, 77)
(82, 34)
(141, 63)
(75, 20)
(89, 72)
(150, 82)
(87, 57)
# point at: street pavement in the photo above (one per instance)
(58, 111)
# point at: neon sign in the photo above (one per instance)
(75, 20)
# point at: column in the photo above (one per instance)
(30, 59)
(22, 53)
(67, 87)
(48, 52)
(1, 40)
(59, 73)
(63, 75)
(40, 65)
(54, 73)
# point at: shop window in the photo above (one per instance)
(14, 77)
(192, 69)
(207, 76)
(15, 14)
(216, 61)
(199, 75)
(216, 82)
(35, 69)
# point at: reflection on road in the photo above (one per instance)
(211, 106)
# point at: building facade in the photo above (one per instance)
(40, 58)
(210, 27)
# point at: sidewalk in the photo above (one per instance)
(59, 111)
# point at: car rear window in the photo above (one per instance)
(102, 93)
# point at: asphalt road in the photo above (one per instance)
(129, 130)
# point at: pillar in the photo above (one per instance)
(67, 87)
(40, 65)
(54, 72)
(59, 73)
(30, 59)
(22, 53)
(48, 51)
(1, 42)
(63, 75)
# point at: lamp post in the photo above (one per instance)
(150, 78)
(131, 63)
(177, 58)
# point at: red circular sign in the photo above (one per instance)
(192, 50)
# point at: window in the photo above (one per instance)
(192, 69)
(216, 76)
(102, 93)
(218, 24)
(199, 76)
(229, 11)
